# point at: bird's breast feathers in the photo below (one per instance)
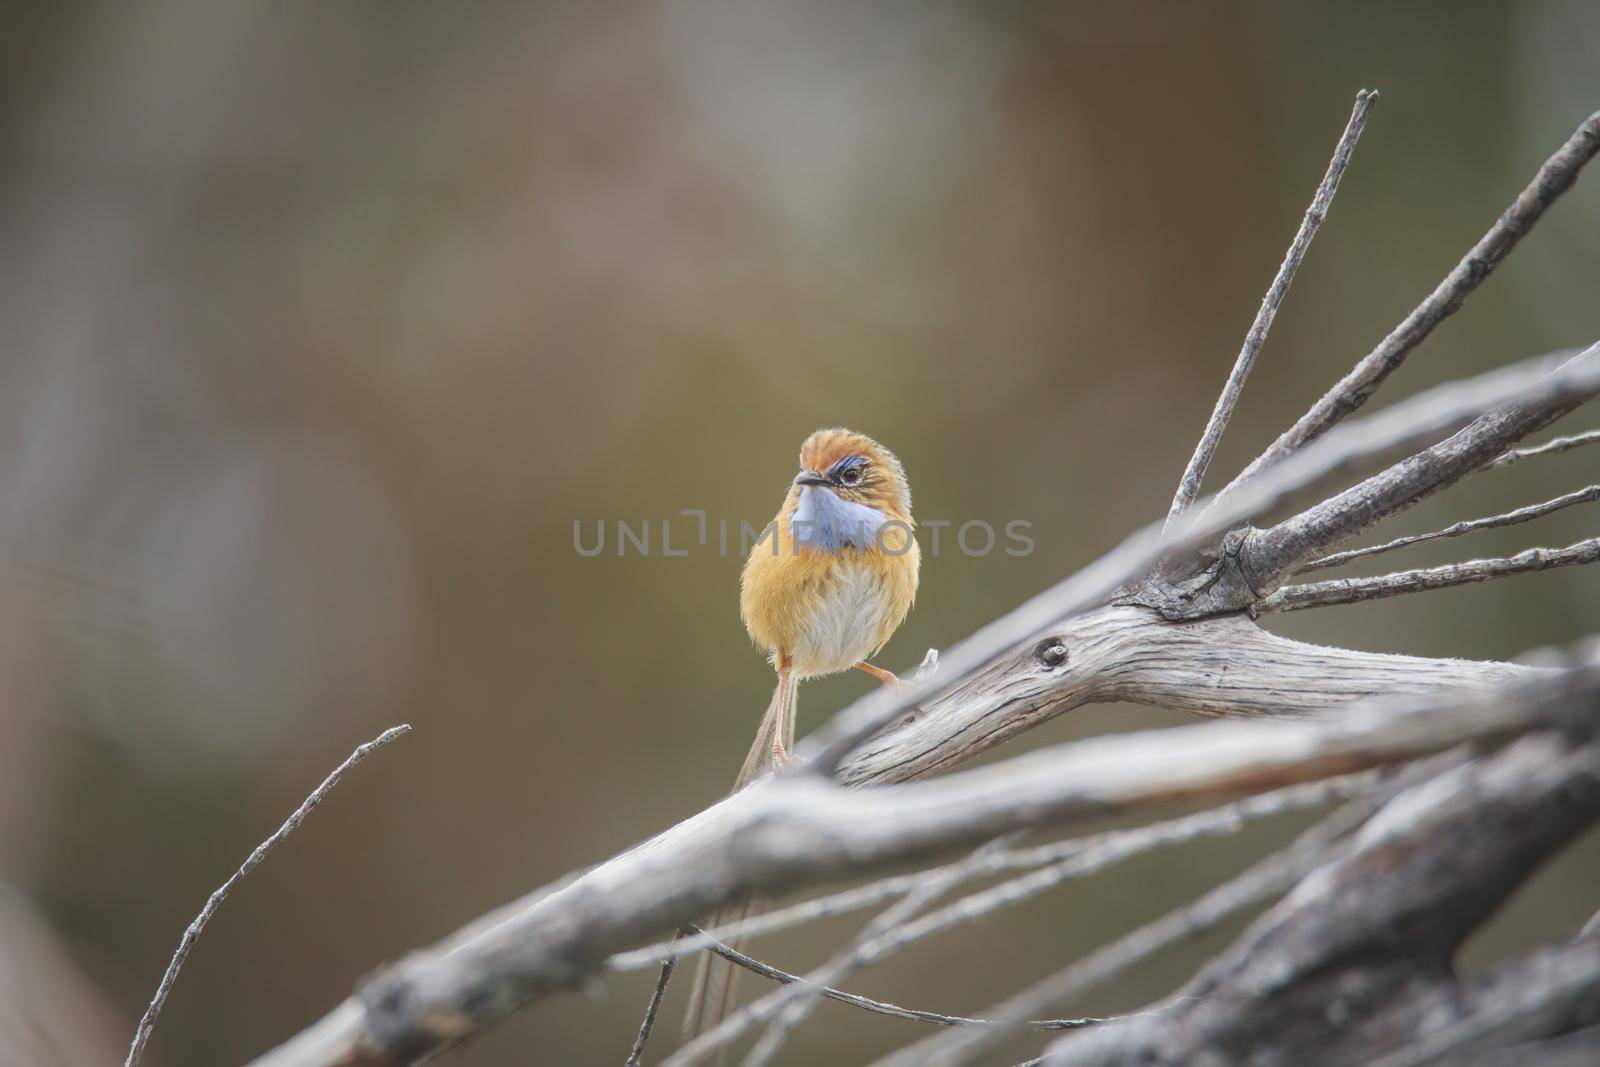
(829, 608)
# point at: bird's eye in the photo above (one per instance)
(851, 476)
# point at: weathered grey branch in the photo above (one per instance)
(1194, 474)
(788, 1005)
(1459, 529)
(1354, 590)
(793, 831)
(141, 1035)
(1356, 962)
(1555, 176)
(1549, 448)
(1130, 653)
(1051, 865)
(1251, 564)
(1271, 555)
(1263, 880)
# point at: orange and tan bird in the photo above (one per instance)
(822, 595)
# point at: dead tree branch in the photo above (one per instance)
(1262, 881)
(796, 830)
(1052, 865)
(1256, 562)
(1356, 962)
(1555, 177)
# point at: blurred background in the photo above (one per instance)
(321, 325)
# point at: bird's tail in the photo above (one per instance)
(711, 996)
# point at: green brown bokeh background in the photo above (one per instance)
(321, 324)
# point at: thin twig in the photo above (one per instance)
(895, 1011)
(147, 1023)
(1510, 518)
(1353, 590)
(769, 1006)
(1194, 474)
(1554, 177)
(797, 1002)
(1063, 860)
(1549, 448)
(649, 1020)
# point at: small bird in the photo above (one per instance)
(821, 595)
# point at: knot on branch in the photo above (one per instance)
(1212, 582)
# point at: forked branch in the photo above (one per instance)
(1555, 177)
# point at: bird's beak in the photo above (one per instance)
(810, 478)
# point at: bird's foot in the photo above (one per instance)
(781, 760)
(888, 678)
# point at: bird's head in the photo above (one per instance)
(856, 469)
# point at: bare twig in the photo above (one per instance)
(839, 966)
(648, 1022)
(1549, 448)
(1056, 863)
(1510, 518)
(1555, 177)
(1194, 474)
(894, 1011)
(795, 1002)
(1353, 590)
(147, 1023)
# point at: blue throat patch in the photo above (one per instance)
(823, 521)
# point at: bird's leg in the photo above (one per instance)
(783, 726)
(886, 677)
